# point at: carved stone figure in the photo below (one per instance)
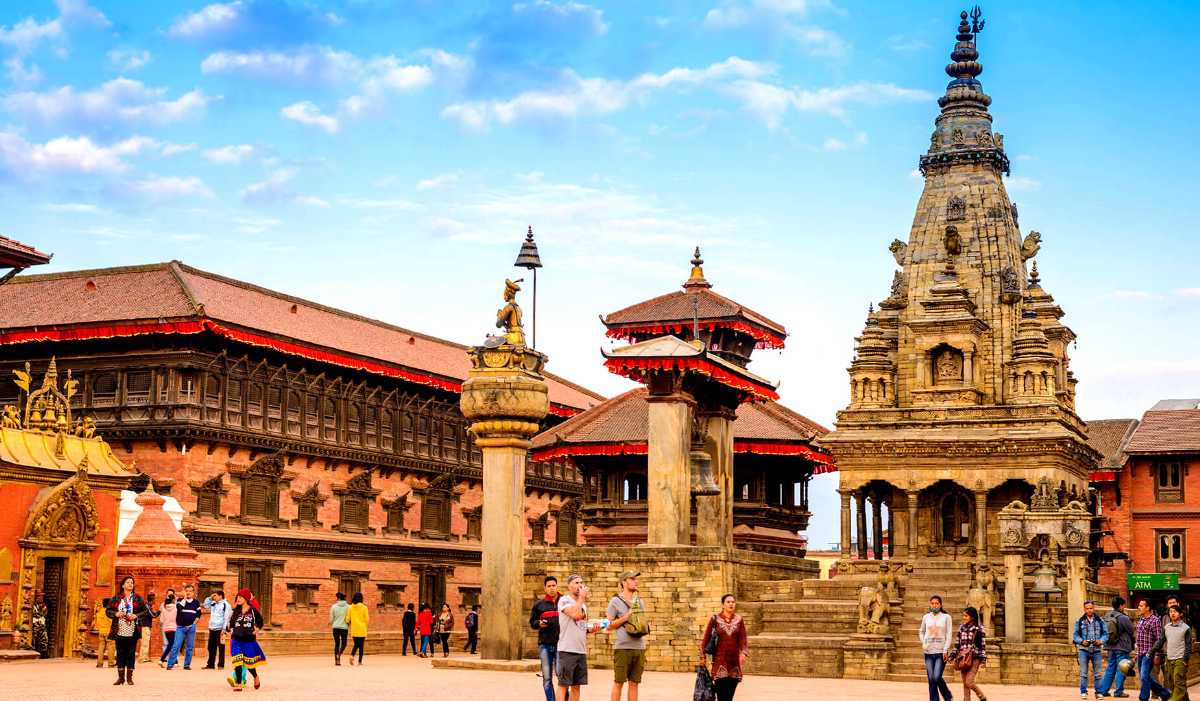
(1010, 286)
(933, 141)
(956, 209)
(952, 241)
(509, 316)
(999, 139)
(983, 138)
(898, 249)
(899, 286)
(1031, 245)
(956, 137)
(873, 610)
(984, 602)
(6, 609)
(1016, 505)
(949, 367)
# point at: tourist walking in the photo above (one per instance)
(357, 617)
(166, 618)
(543, 618)
(1089, 636)
(1145, 637)
(123, 610)
(218, 619)
(1120, 632)
(341, 629)
(146, 623)
(471, 623)
(573, 628)
(408, 625)
(936, 637)
(627, 616)
(103, 626)
(245, 654)
(1176, 643)
(425, 628)
(187, 610)
(970, 652)
(731, 652)
(443, 626)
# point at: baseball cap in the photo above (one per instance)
(628, 574)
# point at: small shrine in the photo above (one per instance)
(66, 484)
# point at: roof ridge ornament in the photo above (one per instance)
(696, 280)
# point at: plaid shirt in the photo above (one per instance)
(970, 636)
(1149, 628)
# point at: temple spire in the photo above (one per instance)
(696, 279)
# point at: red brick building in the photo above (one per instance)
(1152, 506)
(314, 450)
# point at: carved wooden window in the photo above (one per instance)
(212, 391)
(306, 511)
(565, 527)
(449, 440)
(1168, 482)
(260, 499)
(355, 512)
(187, 387)
(470, 597)
(233, 401)
(423, 422)
(137, 386)
(354, 425)
(476, 453)
(349, 583)
(474, 519)
(956, 518)
(1171, 551)
(258, 579)
(329, 420)
(435, 514)
(304, 597)
(104, 389)
(275, 409)
(371, 427)
(293, 413)
(312, 416)
(537, 530)
(387, 429)
(433, 585)
(634, 488)
(406, 433)
(391, 596)
(254, 404)
(208, 497)
(395, 520)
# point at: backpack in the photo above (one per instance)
(637, 626)
(1111, 623)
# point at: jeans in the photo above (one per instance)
(1091, 655)
(360, 643)
(216, 649)
(935, 667)
(472, 640)
(725, 687)
(425, 645)
(1114, 656)
(549, 655)
(168, 643)
(185, 639)
(340, 636)
(409, 637)
(126, 652)
(1145, 666)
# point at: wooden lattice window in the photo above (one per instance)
(137, 386)
(391, 596)
(1168, 482)
(233, 398)
(254, 398)
(349, 583)
(1171, 551)
(423, 434)
(329, 420)
(304, 596)
(312, 416)
(407, 438)
(435, 514)
(354, 512)
(537, 528)
(470, 597)
(565, 527)
(474, 523)
(259, 579)
(354, 425)
(189, 389)
(395, 510)
(371, 427)
(387, 429)
(212, 391)
(293, 413)
(449, 440)
(208, 497)
(104, 389)
(275, 409)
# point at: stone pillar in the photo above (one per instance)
(969, 368)
(981, 525)
(860, 514)
(876, 527)
(891, 531)
(845, 495)
(669, 480)
(1014, 597)
(505, 398)
(913, 543)
(1076, 586)
(714, 514)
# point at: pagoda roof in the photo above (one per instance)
(697, 304)
(60, 451)
(619, 426)
(1173, 431)
(14, 254)
(1109, 437)
(174, 298)
(673, 354)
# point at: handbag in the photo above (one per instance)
(965, 659)
(705, 689)
(710, 645)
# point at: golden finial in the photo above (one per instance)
(696, 279)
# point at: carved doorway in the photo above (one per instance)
(52, 577)
(956, 518)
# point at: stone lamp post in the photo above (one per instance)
(505, 399)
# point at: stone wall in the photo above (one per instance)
(681, 586)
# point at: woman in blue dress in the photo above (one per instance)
(247, 655)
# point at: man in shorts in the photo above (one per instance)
(629, 652)
(573, 629)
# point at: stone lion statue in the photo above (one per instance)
(1031, 245)
(873, 610)
(898, 249)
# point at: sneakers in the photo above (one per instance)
(1083, 695)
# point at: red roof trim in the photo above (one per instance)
(765, 338)
(635, 369)
(248, 338)
(1102, 476)
(823, 463)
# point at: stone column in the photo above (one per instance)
(913, 543)
(845, 495)
(860, 507)
(876, 527)
(981, 525)
(669, 480)
(891, 531)
(969, 368)
(714, 514)
(1076, 586)
(1014, 597)
(505, 398)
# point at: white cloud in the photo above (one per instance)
(770, 102)
(175, 149)
(397, 204)
(818, 42)
(159, 189)
(68, 154)
(128, 59)
(26, 35)
(310, 201)
(273, 189)
(120, 99)
(214, 19)
(73, 208)
(304, 65)
(558, 14)
(836, 144)
(230, 155)
(1020, 183)
(1133, 295)
(19, 74)
(310, 115)
(437, 181)
(1188, 292)
(779, 17)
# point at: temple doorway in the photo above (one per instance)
(52, 583)
(956, 519)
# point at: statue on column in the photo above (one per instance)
(509, 316)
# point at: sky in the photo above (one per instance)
(387, 157)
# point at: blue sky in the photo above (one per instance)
(386, 158)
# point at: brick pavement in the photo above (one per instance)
(412, 679)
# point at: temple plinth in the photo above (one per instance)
(505, 398)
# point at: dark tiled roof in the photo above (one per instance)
(173, 290)
(677, 307)
(14, 254)
(1109, 436)
(1172, 431)
(624, 418)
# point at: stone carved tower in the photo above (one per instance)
(961, 393)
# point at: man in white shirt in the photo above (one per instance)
(936, 638)
(573, 629)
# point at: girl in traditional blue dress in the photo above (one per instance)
(247, 654)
